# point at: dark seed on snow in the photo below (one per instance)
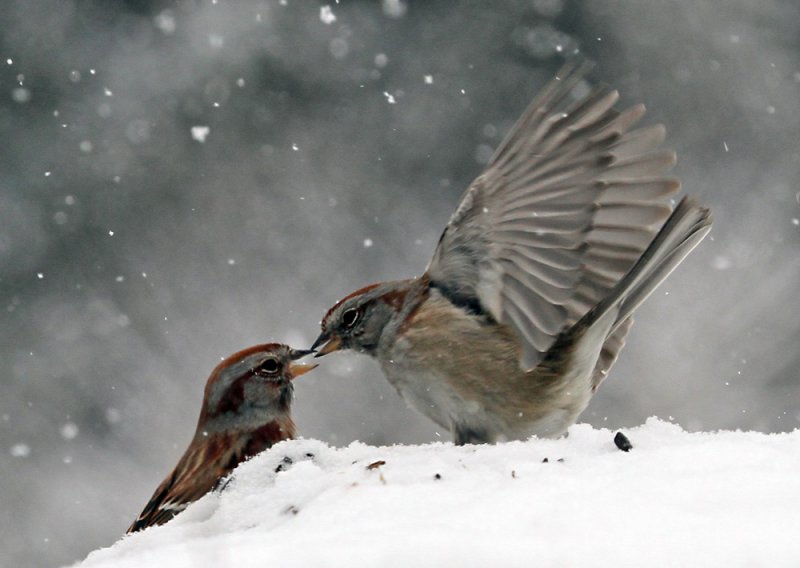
(622, 442)
(281, 466)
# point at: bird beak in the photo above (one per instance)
(333, 343)
(296, 354)
(297, 369)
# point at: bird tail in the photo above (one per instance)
(685, 228)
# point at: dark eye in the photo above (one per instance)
(350, 317)
(270, 366)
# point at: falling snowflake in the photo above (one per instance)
(326, 15)
(200, 133)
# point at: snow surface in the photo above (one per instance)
(677, 499)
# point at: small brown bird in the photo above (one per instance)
(246, 409)
(528, 298)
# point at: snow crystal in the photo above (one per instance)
(21, 95)
(69, 430)
(381, 60)
(75, 76)
(339, 48)
(138, 131)
(721, 263)
(548, 8)
(86, 146)
(20, 450)
(795, 221)
(326, 15)
(200, 133)
(216, 41)
(389, 97)
(165, 21)
(429, 79)
(113, 416)
(686, 499)
(367, 243)
(394, 8)
(483, 153)
(40, 275)
(295, 147)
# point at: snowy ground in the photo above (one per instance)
(677, 499)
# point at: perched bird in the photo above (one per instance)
(528, 298)
(246, 409)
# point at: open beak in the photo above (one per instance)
(297, 369)
(333, 343)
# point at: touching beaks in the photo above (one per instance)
(299, 353)
(333, 343)
(297, 369)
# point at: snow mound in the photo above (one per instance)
(677, 499)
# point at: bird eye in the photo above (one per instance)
(350, 317)
(270, 366)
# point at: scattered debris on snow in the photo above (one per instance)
(686, 499)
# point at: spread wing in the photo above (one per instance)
(568, 202)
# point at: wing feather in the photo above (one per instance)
(570, 199)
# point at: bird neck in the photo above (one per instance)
(268, 435)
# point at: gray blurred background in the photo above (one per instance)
(182, 179)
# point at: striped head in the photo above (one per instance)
(251, 388)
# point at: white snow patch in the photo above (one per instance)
(200, 133)
(677, 499)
